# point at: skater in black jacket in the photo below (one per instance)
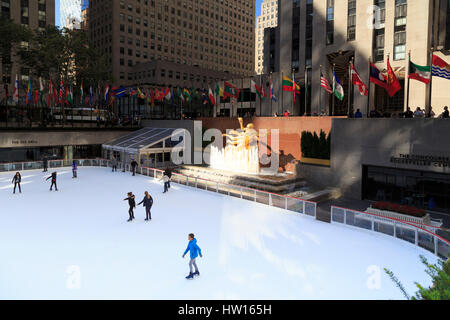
(148, 203)
(132, 204)
(53, 177)
(16, 180)
(134, 164)
(45, 164)
(168, 173)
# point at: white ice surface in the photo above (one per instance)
(251, 251)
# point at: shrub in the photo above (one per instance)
(316, 146)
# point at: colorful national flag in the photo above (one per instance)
(16, 90)
(120, 92)
(393, 85)
(187, 94)
(440, 68)
(258, 90)
(29, 91)
(36, 97)
(61, 92)
(106, 92)
(230, 91)
(356, 80)
(41, 89)
(288, 84)
(219, 90)
(204, 97)
(272, 92)
(377, 77)
(70, 95)
(419, 73)
(211, 97)
(338, 90)
(180, 94)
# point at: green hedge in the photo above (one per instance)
(316, 146)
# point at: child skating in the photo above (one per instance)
(195, 251)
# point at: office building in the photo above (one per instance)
(267, 19)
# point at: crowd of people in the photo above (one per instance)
(408, 114)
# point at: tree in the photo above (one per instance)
(440, 289)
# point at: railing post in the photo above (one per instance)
(229, 190)
(206, 185)
(315, 210)
(154, 173)
(304, 207)
(22, 166)
(217, 187)
(395, 229)
(270, 200)
(187, 181)
(285, 203)
(196, 182)
(345, 216)
(436, 249)
(416, 237)
(255, 194)
(241, 192)
(373, 223)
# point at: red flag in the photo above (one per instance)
(36, 97)
(356, 80)
(393, 85)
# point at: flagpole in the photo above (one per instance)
(334, 85)
(306, 90)
(320, 90)
(260, 99)
(431, 84)
(270, 95)
(409, 80)
(350, 86)
(368, 93)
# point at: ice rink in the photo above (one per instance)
(77, 244)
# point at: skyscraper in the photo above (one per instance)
(70, 13)
(267, 19)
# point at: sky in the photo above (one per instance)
(258, 10)
(57, 13)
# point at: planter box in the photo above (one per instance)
(319, 162)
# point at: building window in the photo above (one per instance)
(351, 20)
(400, 30)
(330, 22)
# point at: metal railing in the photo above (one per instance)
(289, 203)
(407, 231)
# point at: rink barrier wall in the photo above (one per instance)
(415, 234)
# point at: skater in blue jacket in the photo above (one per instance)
(74, 169)
(195, 251)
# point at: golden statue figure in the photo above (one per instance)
(245, 137)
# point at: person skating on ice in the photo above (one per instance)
(45, 164)
(132, 204)
(148, 203)
(53, 177)
(194, 251)
(74, 169)
(168, 173)
(134, 164)
(114, 164)
(166, 181)
(16, 181)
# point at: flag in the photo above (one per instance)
(356, 80)
(106, 92)
(258, 90)
(120, 92)
(50, 92)
(288, 84)
(140, 94)
(440, 68)
(272, 93)
(91, 95)
(230, 91)
(296, 87)
(393, 85)
(16, 90)
(81, 93)
(180, 94)
(187, 94)
(419, 73)
(204, 97)
(211, 98)
(61, 92)
(152, 97)
(338, 90)
(70, 95)
(66, 98)
(36, 96)
(41, 89)
(377, 77)
(29, 91)
(219, 90)
(166, 93)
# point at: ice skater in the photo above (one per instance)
(45, 164)
(134, 164)
(74, 169)
(53, 177)
(132, 204)
(148, 203)
(16, 181)
(114, 164)
(168, 173)
(166, 181)
(195, 251)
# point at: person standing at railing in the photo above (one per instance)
(53, 177)
(168, 173)
(45, 164)
(16, 181)
(132, 204)
(74, 169)
(114, 164)
(148, 203)
(134, 165)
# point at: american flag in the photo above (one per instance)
(325, 84)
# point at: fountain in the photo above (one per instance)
(241, 153)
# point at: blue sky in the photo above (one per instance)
(57, 12)
(258, 10)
